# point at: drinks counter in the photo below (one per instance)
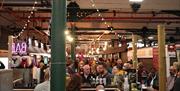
(93, 88)
(6, 80)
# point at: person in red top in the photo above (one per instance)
(24, 63)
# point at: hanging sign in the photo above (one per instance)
(19, 48)
(172, 51)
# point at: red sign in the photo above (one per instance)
(155, 58)
(172, 50)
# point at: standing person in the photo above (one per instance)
(142, 73)
(177, 81)
(74, 83)
(42, 70)
(119, 63)
(24, 63)
(114, 70)
(171, 79)
(109, 66)
(153, 80)
(44, 86)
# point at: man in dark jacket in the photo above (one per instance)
(86, 76)
(103, 73)
(177, 82)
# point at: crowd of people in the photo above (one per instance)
(102, 72)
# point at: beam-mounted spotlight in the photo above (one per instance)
(135, 4)
(136, 1)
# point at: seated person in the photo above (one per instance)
(86, 76)
(103, 73)
(74, 83)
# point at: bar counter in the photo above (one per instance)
(6, 80)
(93, 88)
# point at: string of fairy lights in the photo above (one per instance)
(28, 21)
(93, 4)
(102, 18)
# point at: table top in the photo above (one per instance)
(93, 89)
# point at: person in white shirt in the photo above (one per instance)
(171, 79)
(44, 86)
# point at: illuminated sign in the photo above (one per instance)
(19, 48)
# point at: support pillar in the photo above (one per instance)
(73, 44)
(162, 60)
(58, 64)
(134, 48)
(10, 42)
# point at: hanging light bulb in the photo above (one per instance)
(93, 5)
(35, 2)
(106, 32)
(104, 48)
(102, 19)
(67, 32)
(97, 50)
(29, 16)
(105, 22)
(33, 7)
(32, 12)
(69, 38)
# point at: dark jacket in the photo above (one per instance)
(75, 83)
(1, 65)
(88, 79)
(108, 77)
(177, 84)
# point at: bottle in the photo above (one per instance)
(112, 81)
(115, 80)
(100, 81)
(104, 81)
(94, 82)
(126, 84)
(91, 80)
(97, 80)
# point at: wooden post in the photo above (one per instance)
(134, 48)
(162, 60)
(10, 41)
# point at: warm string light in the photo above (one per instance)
(28, 21)
(100, 15)
(102, 19)
(68, 35)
